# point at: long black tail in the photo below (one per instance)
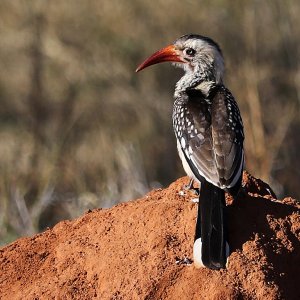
(211, 228)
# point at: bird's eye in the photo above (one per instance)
(190, 51)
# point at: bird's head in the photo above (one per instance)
(198, 55)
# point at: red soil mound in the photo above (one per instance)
(142, 249)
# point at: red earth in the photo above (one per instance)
(142, 249)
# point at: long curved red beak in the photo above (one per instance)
(166, 54)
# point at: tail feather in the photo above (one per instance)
(211, 230)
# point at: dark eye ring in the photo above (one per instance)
(190, 51)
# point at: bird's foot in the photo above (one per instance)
(190, 187)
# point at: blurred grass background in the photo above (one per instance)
(79, 129)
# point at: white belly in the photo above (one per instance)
(185, 165)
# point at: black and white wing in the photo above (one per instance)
(209, 131)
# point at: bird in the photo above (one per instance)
(209, 133)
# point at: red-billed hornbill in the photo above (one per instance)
(209, 133)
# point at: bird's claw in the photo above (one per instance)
(190, 187)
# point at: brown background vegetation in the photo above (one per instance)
(79, 129)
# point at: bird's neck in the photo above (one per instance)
(196, 79)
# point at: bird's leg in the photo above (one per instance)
(190, 187)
